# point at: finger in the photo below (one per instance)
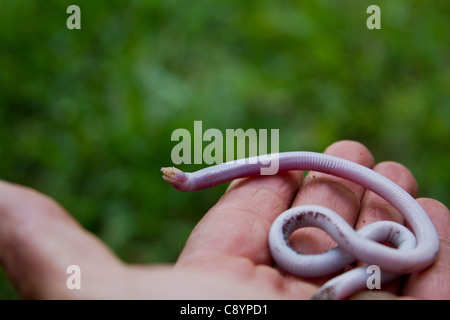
(434, 282)
(332, 192)
(39, 241)
(374, 208)
(238, 225)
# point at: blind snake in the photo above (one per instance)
(411, 252)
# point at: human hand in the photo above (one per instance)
(227, 254)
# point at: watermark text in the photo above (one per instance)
(234, 145)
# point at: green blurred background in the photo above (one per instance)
(86, 115)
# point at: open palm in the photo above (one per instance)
(227, 254)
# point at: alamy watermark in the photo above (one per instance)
(74, 280)
(74, 20)
(374, 20)
(374, 280)
(212, 146)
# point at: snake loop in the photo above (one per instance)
(414, 251)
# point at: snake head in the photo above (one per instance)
(175, 177)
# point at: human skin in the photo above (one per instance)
(226, 255)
